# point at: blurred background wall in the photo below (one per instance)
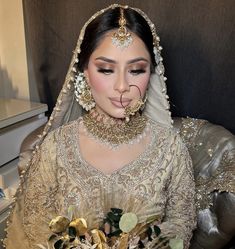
(13, 65)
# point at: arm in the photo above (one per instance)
(180, 213)
(35, 200)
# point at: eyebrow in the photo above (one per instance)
(128, 62)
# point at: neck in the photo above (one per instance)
(105, 118)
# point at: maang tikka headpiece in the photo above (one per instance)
(122, 38)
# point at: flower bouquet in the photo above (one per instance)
(119, 231)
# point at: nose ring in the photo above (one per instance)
(131, 110)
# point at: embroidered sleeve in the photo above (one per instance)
(36, 204)
(180, 212)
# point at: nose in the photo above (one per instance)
(121, 84)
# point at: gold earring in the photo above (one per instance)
(83, 93)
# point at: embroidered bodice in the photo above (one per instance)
(159, 181)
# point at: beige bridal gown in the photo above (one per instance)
(159, 181)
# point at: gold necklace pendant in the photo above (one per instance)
(114, 132)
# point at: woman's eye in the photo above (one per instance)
(137, 71)
(105, 71)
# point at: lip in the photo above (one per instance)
(117, 103)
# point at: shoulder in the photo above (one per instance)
(176, 149)
(169, 139)
(63, 130)
(167, 133)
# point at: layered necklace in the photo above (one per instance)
(115, 132)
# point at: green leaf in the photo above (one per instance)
(127, 222)
(157, 230)
(149, 233)
(59, 244)
(72, 232)
(115, 233)
(116, 210)
(107, 220)
(176, 243)
(116, 225)
(113, 217)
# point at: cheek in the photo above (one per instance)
(143, 84)
(97, 82)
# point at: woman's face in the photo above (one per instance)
(110, 72)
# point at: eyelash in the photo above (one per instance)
(105, 71)
(137, 71)
(109, 71)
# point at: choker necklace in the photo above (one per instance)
(114, 132)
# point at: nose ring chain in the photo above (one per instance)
(131, 110)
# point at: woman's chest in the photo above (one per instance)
(139, 187)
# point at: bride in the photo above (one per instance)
(120, 153)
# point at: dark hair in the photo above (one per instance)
(108, 21)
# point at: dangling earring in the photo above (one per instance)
(144, 100)
(83, 93)
(131, 110)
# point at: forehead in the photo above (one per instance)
(107, 49)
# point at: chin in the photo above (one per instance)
(116, 113)
(113, 112)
